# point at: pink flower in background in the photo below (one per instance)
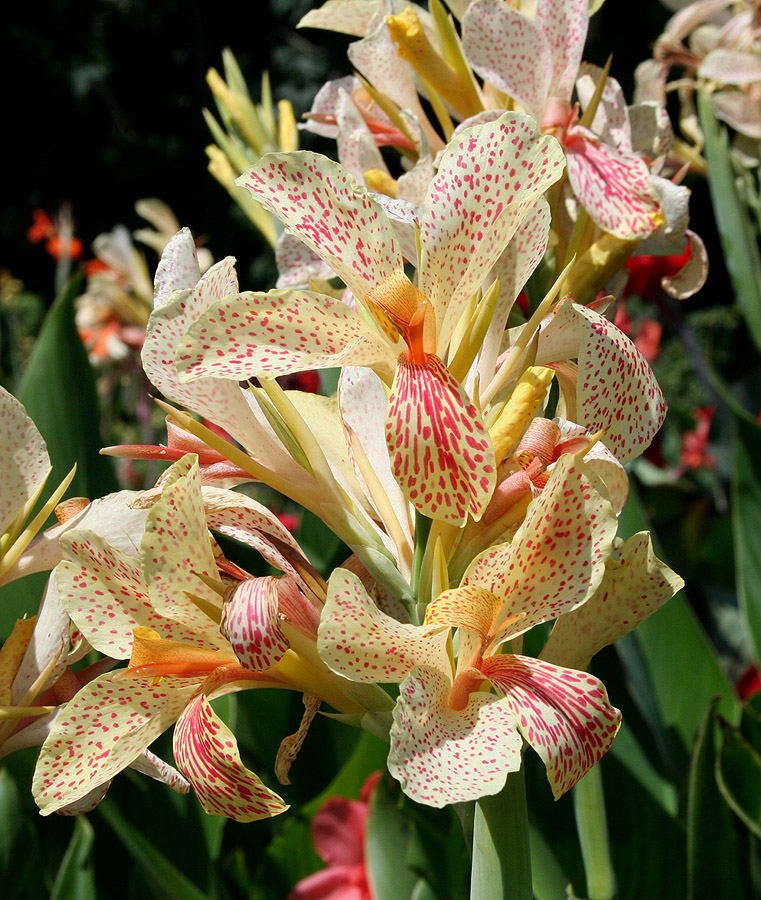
(338, 833)
(695, 453)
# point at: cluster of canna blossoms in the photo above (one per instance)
(471, 460)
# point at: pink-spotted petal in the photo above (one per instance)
(470, 607)
(154, 767)
(557, 558)
(441, 453)
(26, 463)
(611, 121)
(508, 50)
(357, 150)
(612, 185)
(206, 752)
(635, 585)
(616, 388)
(359, 641)
(100, 732)
(104, 592)
(248, 521)
(488, 180)
(731, 67)
(564, 25)
(564, 715)
(441, 755)
(250, 623)
(318, 200)
(176, 550)
(599, 461)
(251, 334)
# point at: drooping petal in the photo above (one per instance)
(207, 754)
(253, 334)
(616, 388)
(488, 179)
(612, 185)
(359, 641)
(250, 623)
(176, 550)
(100, 732)
(441, 453)
(635, 585)
(508, 50)
(557, 557)
(441, 755)
(318, 199)
(564, 714)
(26, 463)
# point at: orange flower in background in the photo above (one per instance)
(60, 242)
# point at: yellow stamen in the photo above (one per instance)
(381, 182)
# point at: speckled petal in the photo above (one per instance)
(250, 623)
(176, 549)
(26, 463)
(508, 50)
(565, 715)
(488, 179)
(636, 584)
(206, 752)
(470, 607)
(356, 148)
(106, 596)
(100, 732)
(441, 755)
(600, 461)
(357, 640)
(318, 199)
(616, 388)
(611, 121)
(612, 185)
(441, 453)
(248, 521)
(557, 557)
(251, 334)
(563, 24)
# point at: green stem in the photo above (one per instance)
(592, 827)
(501, 855)
(422, 530)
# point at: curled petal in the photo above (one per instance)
(564, 714)
(692, 276)
(207, 754)
(470, 607)
(155, 767)
(441, 755)
(441, 454)
(359, 641)
(250, 623)
(290, 745)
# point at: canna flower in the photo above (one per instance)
(488, 182)
(184, 646)
(536, 62)
(452, 739)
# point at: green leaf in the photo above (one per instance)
(76, 876)
(164, 880)
(11, 818)
(386, 845)
(549, 880)
(746, 523)
(738, 772)
(712, 848)
(682, 667)
(740, 250)
(58, 391)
